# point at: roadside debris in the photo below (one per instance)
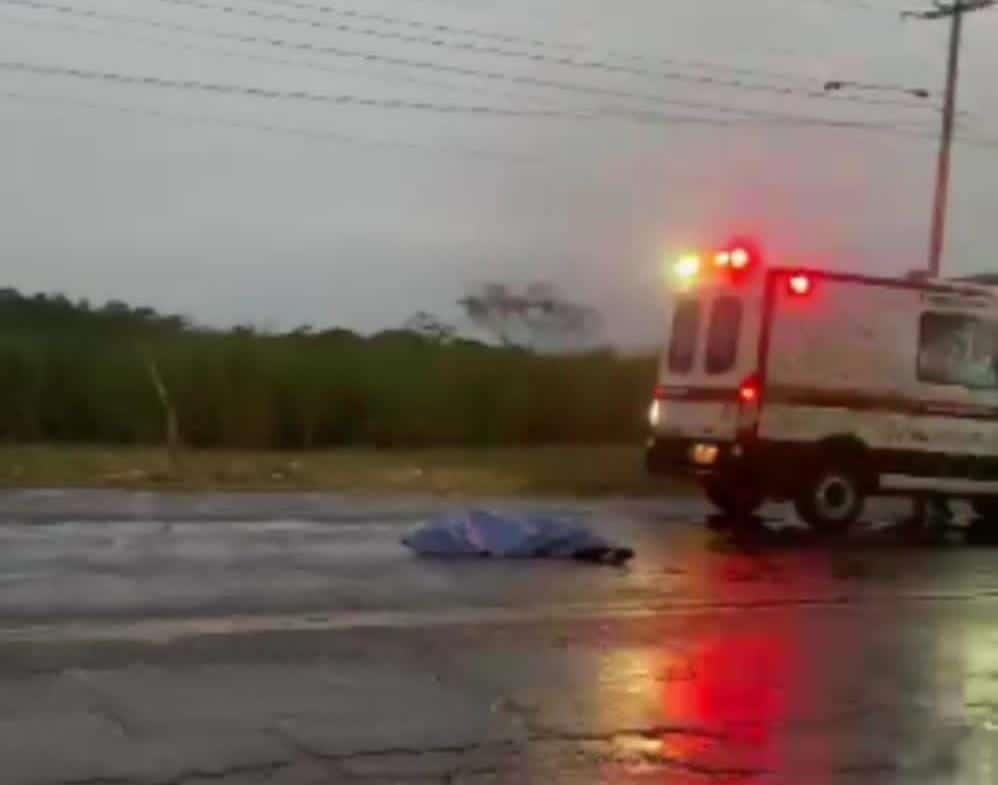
(483, 533)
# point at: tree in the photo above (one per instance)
(537, 318)
(117, 308)
(171, 430)
(429, 326)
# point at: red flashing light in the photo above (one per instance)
(748, 391)
(740, 259)
(799, 285)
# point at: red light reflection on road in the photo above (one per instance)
(745, 679)
(737, 686)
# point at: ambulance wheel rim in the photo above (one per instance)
(834, 497)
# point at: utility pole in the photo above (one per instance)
(954, 11)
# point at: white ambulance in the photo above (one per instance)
(826, 388)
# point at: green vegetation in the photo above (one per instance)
(539, 471)
(73, 374)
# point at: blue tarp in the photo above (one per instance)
(480, 533)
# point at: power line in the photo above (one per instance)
(305, 134)
(339, 99)
(218, 88)
(315, 65)
(564, 60)
(433, 27)
(438, 28)
(361, 55)
(312, 64)
(214, 88)
(858, 5)
(864, 5)
(492, 76)
(310, 134)
(912, 132)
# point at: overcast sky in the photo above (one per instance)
(278, 212)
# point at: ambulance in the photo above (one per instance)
(825, 388)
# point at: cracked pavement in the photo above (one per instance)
(214, 640)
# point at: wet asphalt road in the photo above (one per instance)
(292, 640)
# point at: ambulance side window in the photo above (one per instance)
(722, 335)
(959, 350)
(685, 331)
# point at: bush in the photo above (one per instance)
(72, 374)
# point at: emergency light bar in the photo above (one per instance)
(734, 260)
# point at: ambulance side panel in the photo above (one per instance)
(831, 352)
(842, 366)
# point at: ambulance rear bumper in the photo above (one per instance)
(685, 457)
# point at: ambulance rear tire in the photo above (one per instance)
(986, 507)
(983, 529)
(831, 499)
(734, 499)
